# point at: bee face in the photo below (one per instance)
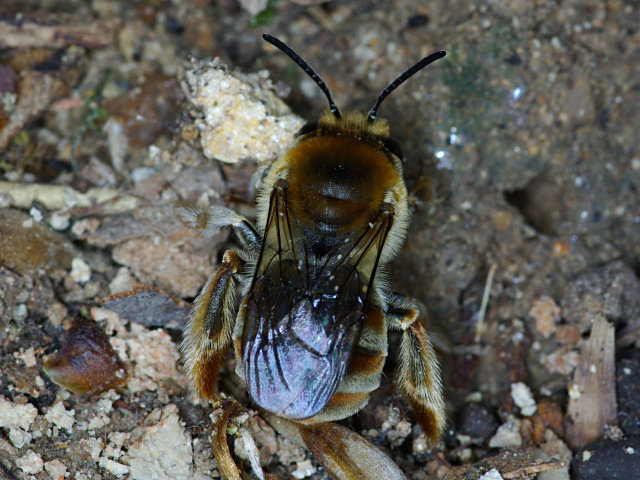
(310, 335)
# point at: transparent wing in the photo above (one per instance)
(303, 313)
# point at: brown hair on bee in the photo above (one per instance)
(310, 334)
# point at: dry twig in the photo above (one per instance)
(52, 33)
(485, 301)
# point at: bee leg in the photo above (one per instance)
(210, 219)
(418, 372)
(207, 335)
(344, 453)
(219, 421)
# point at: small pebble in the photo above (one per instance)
(477, 422)
(545, 312)
(304, 469)
(492, 474)
(36, 214)
(122, 282)
(508, 435)
(141, 174)
(56, 469)
(152, 456)
(20, 313)
(118, 469)
(60, 416)
(59, 221)
(523, 398)
(14, 415)
(19, 438)
(30, 462)
(80, 270)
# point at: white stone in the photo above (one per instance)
(13, 415)
(243, 118)
(101, 417)
(122, 282)
(304, 469)
(141, 174)
(118, 469)
(20, 312)
(59, 221)
(492, 474)
(93, 446)
(155, 358)
(523, 398)
(19, 438)
(36, 214)
(30, 462)
(28, 356)
(163, 451)
(574, 391)
(56, 469)
(507, 435)
(80, 270)
(61, 417)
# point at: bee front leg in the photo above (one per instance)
(207, 335)
(418, 372)
(210, 219)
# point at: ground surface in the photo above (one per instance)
(523, 164)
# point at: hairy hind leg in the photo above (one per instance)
(418, 372)
(207, 335)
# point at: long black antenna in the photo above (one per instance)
(307, 69)
(398, 81)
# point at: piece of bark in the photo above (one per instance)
(56, 32)
(592, 393)
(511, 465)
(37, 91)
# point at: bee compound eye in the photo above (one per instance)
(394, 147)
(308, 127)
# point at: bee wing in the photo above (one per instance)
(304, 315)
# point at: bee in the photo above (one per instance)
(310, 331)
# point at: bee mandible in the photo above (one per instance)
(310, 332)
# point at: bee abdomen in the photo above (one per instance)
(363, 373)
(368, 357)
